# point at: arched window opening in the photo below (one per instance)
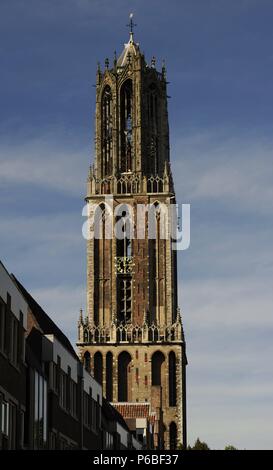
(124, 264)
(124, 287)
(107, 131)
(124, 376)
(86, 336)
(87, 361)
(172, 379)
(153, 126)
(109, 376)
(154, 259)
(102, 230)
(126, 115)
(158, 359)
(173, 436)
(124, 230)
(98, 367)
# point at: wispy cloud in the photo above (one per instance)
(42, 161)
(242, 303)
(234, 171)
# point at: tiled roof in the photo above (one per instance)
(133, 410)
(112, 414)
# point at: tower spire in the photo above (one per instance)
(131, 25)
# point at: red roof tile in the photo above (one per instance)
(133, 410)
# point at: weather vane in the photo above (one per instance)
(131, 25)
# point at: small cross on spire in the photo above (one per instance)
(131, 25)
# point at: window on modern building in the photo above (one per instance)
(93, 414)
(2, 325)
(86, 410)
(68, 389)
(7, 325)
(1, 401)
(63, 444)
(14, 340)
(22, 429)
(73, 398)
(58, 373)
(40, 411)
(53, 377)
(5, 418)
(21, 347)
(109, 440)
(12, 425)
(98, 412)
(63, 390)
(53, 441)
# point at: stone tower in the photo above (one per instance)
(132, 338)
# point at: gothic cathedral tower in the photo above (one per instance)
(132, 338)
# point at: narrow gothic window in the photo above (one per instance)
(154, 259)
(153, 129)
(172, 379)
(102, 229)
(124, 376)
(126, 137)
(124, 271)
(87, 361)
(173, 436)
(98, 367)
(158, 359)
(107, 131)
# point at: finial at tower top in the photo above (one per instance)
(131, 25)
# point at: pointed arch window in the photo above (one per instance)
(124, 376)
(172, 379)
(153, 126)
(158, 360)
(173, 436)
(98, 367)
(124, 263)
(107, 131)
(126, 124)
(102, 262)
(154, 232)
(87, 361)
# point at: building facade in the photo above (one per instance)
(64, 403)
(13, 324)
(48, 400)
(131, 338)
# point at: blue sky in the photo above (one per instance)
(219, 56)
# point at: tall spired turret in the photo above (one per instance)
(132, 337)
